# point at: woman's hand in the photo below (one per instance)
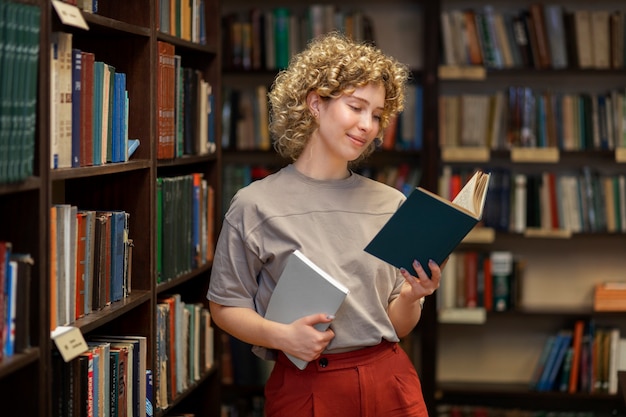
(303, 340)
(420, 285)
(406, 310)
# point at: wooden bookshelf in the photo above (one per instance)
(495, 364)
(124, 36)
(401, 28)
(468, 363)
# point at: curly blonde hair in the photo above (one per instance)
(331, 65)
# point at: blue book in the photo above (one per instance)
(118, 143)
(11, 308)
(554, 361)
(76, 105)
(133, 144)
(541, 363)
(195, 221)
(118, 239)
(149, 391)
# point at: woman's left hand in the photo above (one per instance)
(416, 287)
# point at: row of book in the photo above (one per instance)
(19, 60)
(110, 378)
(90, 261)
(184, 347)
(404, 177)
(581, 201)
(245, 119)
(15, 281)
(541, 36)
(185, 224)
(585, 358)
(183, 19)
(476, 279)
(240, 366)
(89, 108)
(268, 38)
(253, 406)
(522, 116)
(405, 132)
(185, 120)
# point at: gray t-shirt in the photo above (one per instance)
(330, 222)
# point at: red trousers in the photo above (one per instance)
(378, 381)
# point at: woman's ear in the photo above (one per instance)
(313, 101)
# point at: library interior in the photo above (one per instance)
(126, 129)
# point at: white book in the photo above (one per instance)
(304, 289)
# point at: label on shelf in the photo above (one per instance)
(620, 154)
(474, 315)
(480, 235)
(458, 72)
(548, 233)
(550, 155)
(69, 14)
(465, 154)
(70, 342)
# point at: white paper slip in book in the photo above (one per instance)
(304, 289)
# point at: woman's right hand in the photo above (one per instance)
(304, 341)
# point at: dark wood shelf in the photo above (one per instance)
(518, 396)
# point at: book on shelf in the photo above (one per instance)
(304, 289)
(428, 226)
(166, 101)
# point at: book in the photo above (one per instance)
(304, 289)
(166, 101)
(428, 226)
(133, 144)
(577, 340)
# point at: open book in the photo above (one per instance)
(427, 226)
(303, 289)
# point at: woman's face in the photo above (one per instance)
(349, 124)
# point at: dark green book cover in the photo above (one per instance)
(427, 226)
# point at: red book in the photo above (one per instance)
(577, 340)
(166, 101)
(470, 269)
(86, 110)
(389, 136)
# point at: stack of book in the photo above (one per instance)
(610, 296)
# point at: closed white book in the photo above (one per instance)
(304, 289)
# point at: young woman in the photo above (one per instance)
(328, 109)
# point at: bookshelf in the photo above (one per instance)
(124, 37)
(489, 363)
(470, 364)
(400, 28)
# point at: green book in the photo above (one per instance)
(427, 226)
(159, 230)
